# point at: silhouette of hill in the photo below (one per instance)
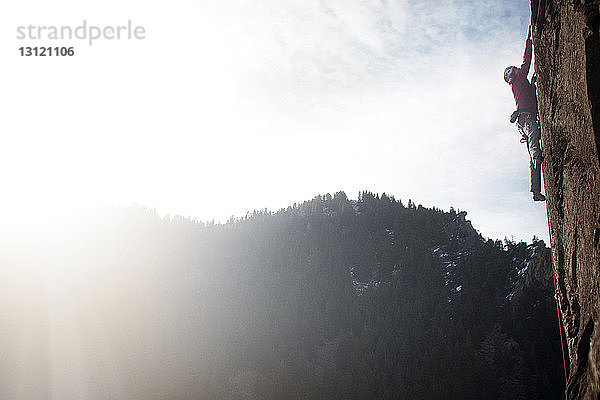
(332, 298)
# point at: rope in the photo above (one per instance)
(562, 346)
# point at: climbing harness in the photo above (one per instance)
(516, 116)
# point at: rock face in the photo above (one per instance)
(567, 63)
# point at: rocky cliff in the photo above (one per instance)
(567, 63)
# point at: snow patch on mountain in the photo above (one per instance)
(521, 267)
(361, 287)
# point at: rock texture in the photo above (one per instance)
(567, 63)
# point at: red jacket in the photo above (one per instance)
(522, 89)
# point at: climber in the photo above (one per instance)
(526, 116)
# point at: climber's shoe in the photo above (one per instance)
(537, 196)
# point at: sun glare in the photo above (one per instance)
(44, 222)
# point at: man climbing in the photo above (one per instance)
(526, 116)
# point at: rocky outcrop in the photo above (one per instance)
(567, 63)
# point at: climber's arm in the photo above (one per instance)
(527, 55)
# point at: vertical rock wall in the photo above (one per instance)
(567, 62)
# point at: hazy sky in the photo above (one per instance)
(230, 106)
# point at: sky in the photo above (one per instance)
(225, 107)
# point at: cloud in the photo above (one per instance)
(271, 102)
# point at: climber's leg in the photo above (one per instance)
(532, 130)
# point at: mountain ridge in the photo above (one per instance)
(284, 305)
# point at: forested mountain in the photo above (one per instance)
(329, 299)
